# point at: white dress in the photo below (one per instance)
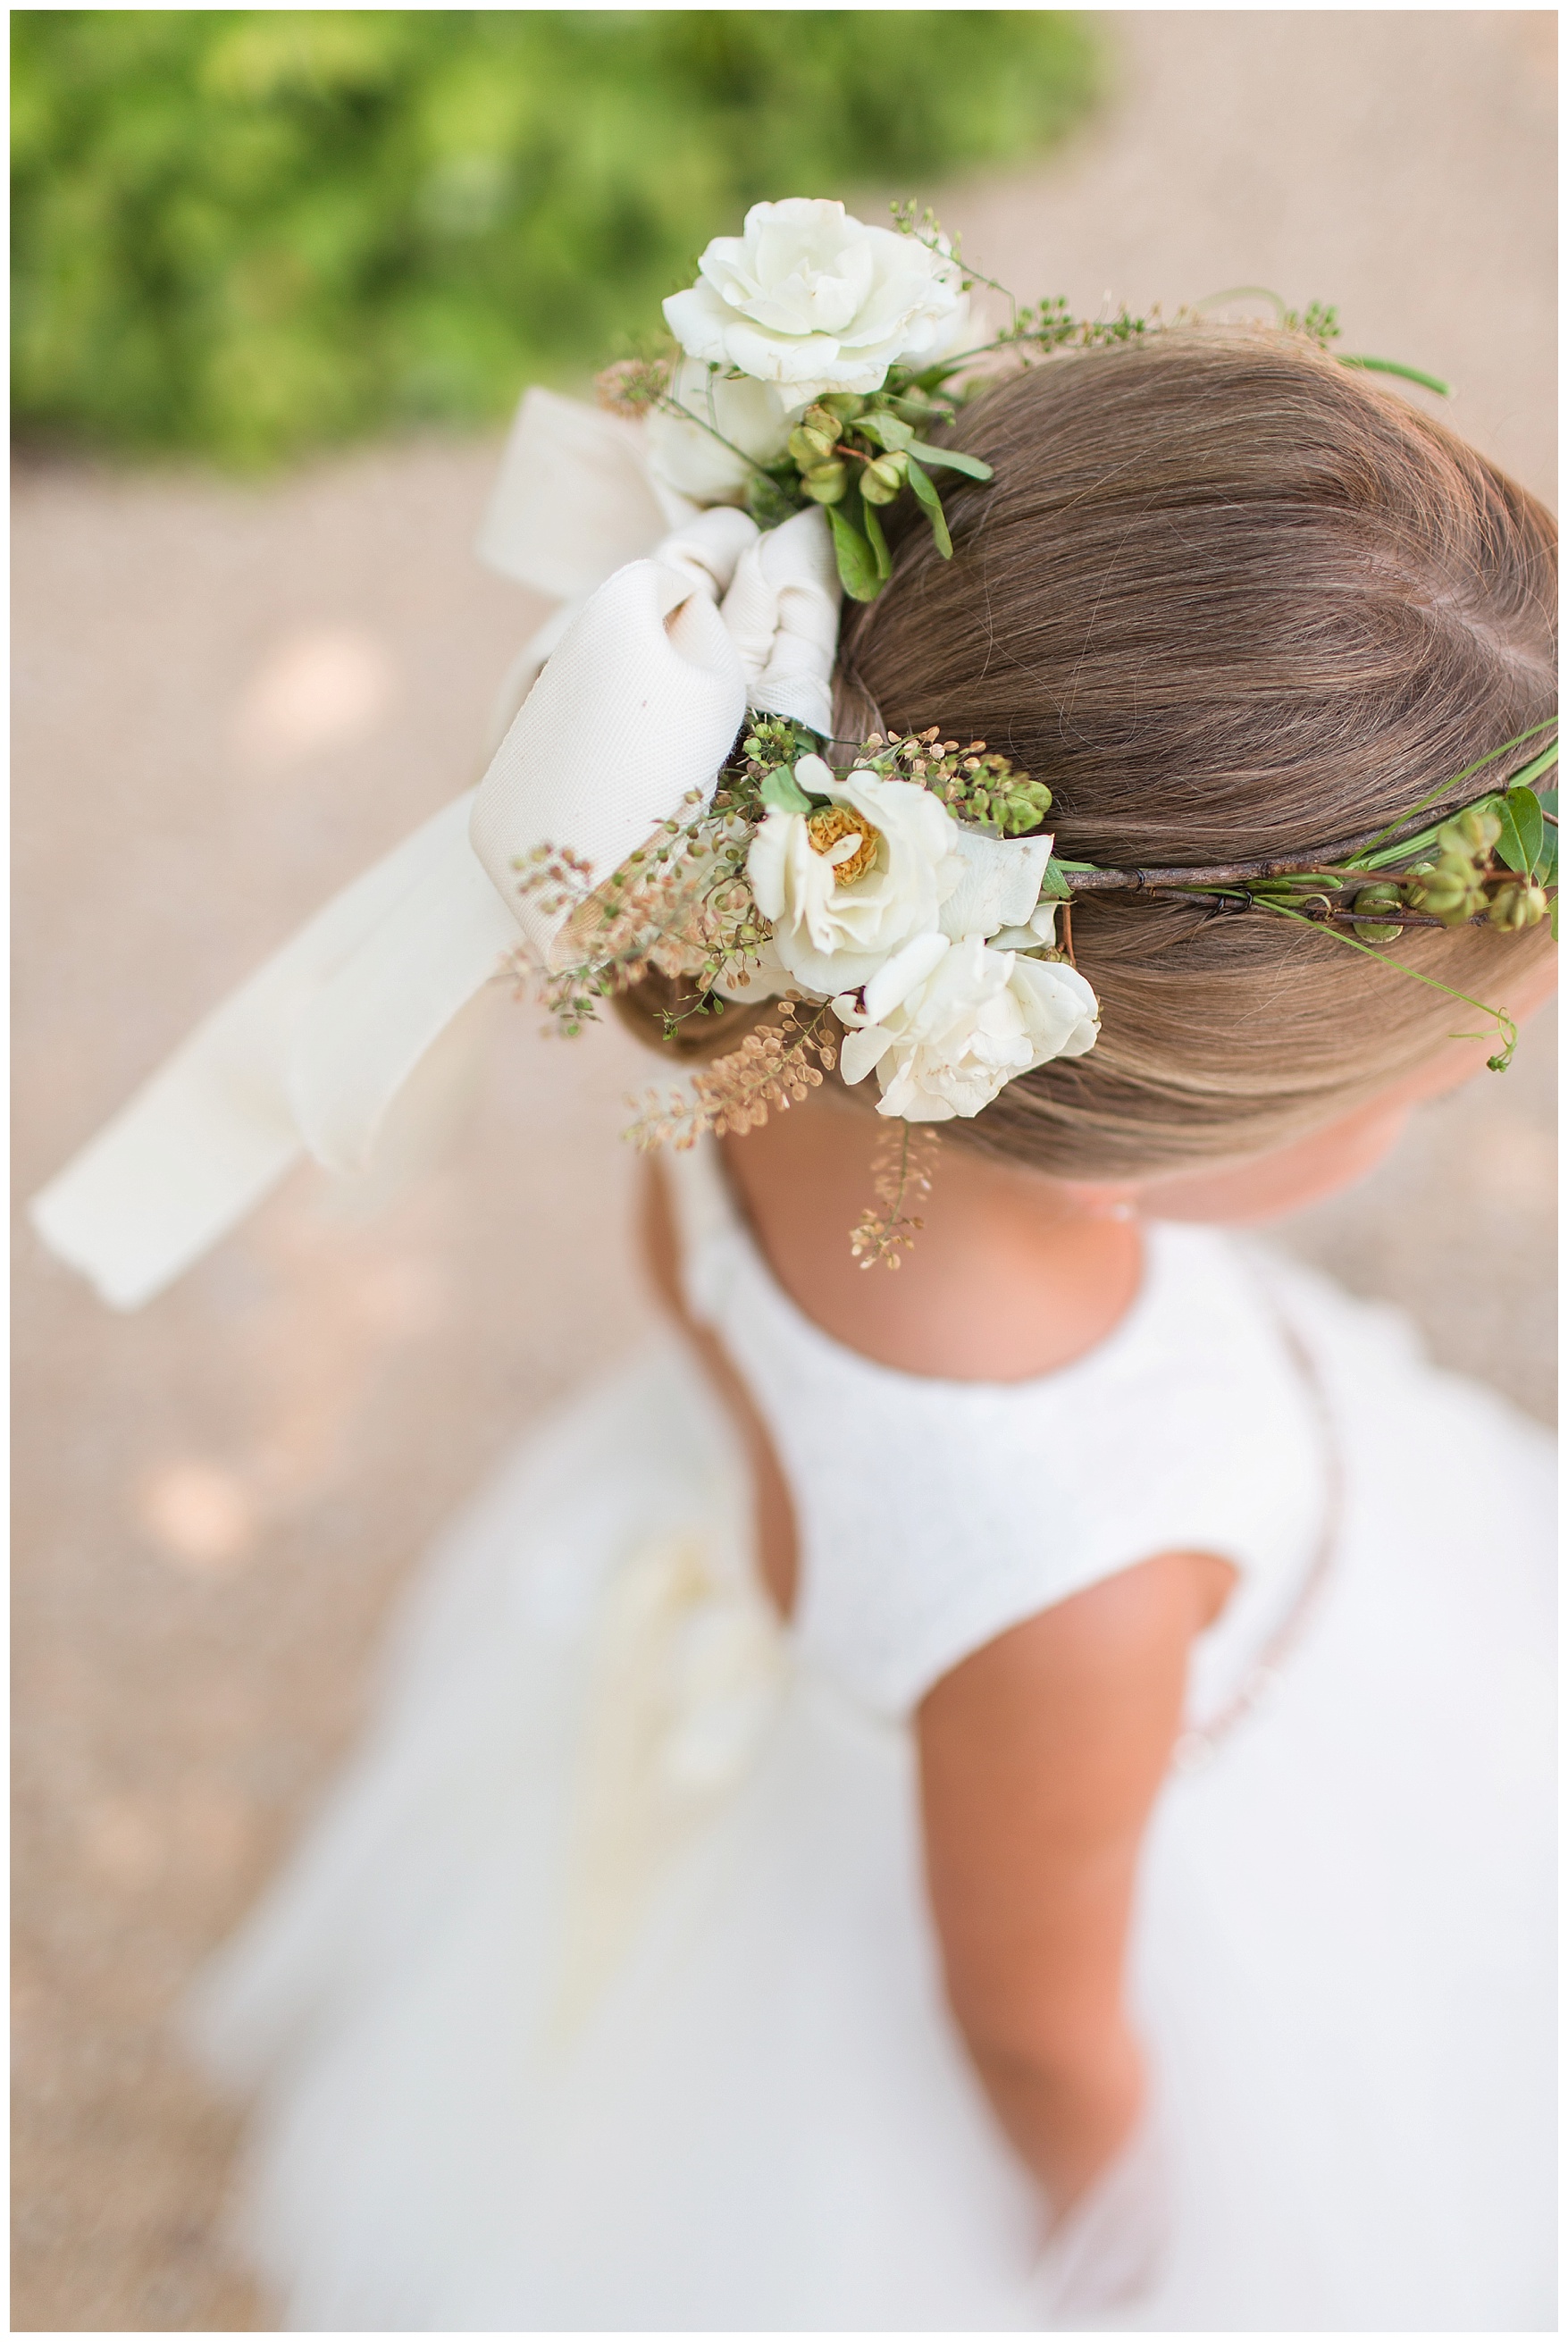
(603, 1995)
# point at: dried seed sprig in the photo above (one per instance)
(902, 1170)
(679, 905)
(632, 387)
(776, 1066)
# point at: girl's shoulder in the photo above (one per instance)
(933, 1510)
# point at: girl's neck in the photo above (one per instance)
(1011, 1276)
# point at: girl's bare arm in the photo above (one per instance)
(1040, 1759)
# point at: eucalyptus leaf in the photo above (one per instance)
(856, 562)
(878, 541)
(782, 793)
(1549, 802)
(925, 487)
(948, 459)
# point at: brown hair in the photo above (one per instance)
(1230, 600)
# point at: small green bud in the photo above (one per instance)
(827, 483)
(1452, 892)
(1384, 897)
(882, 480)
(844, 404)
(811, 448)
(1474, 833)
(822, 418)
(1521, 903)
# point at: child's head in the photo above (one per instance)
(1230, 600)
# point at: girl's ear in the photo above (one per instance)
(1102, 1199)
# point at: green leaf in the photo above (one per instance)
(856, 562)
(949, 459)
(782, 793)
(868, 514)
(768, 501)
(884, 429)
(1055, 882)
(1549, 802)
(1405, 373)
(1522, 829)
(925, 487)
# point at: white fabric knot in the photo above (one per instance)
(781, 613)
(676, 621)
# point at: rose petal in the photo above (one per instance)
(892, 983)
(862, 1049)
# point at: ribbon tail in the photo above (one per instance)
(217, 1127)
(374, 1021)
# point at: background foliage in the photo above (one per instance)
(243, 232)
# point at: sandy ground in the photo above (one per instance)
(227, 701)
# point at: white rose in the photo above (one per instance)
(815, 301)
(690, 458)
(834, 932)
(947, 1024)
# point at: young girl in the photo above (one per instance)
(1015, 1793)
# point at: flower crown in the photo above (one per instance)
(905, 903)
(664, 796)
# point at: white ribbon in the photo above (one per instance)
(689, 618)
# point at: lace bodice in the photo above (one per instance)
(933, 1514)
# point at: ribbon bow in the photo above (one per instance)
(623, 706)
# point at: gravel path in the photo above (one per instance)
(227, 700)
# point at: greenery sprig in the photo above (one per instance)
(681, 905)
(856, 456)
(1492, 861)
(980, 788)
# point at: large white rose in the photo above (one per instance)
(814, 300)
(947, 1024)
(834, 932)
(691, 457)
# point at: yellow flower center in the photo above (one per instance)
(829, 825)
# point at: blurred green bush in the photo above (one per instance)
(246, 231)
